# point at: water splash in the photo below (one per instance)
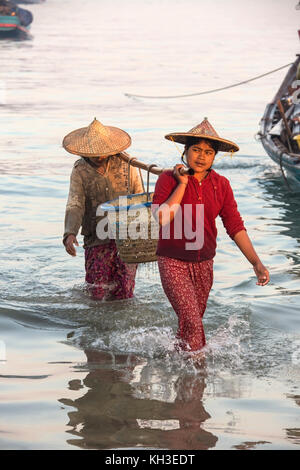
(153, 342)
(229, 345)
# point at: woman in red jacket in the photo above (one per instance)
(186, 207)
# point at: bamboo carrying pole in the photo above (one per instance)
(143, 166)
(156, 170)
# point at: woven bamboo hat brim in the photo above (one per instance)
(96, 140)
(204, 131)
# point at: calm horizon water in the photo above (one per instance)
(82, 374)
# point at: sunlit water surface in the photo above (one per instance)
(85, 374)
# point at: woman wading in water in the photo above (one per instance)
(188, 206)
(97, 177)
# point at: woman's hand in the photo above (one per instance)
(167, 211)
(244, 243)
(69, 244)
(262, 274)
(182, 179)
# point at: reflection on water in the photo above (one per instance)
(293, 434)
(116, 412)
(124, 401)
(250, 445)
(288, 203)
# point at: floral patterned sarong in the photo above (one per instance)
(187, 285)
(107, 276)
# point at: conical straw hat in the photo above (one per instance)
(96, 140)
(204, 131)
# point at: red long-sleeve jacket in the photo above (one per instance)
(216, 197)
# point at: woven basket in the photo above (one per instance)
(133, 226)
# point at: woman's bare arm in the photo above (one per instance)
(244, 243)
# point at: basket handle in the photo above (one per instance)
(148, 178)
(129, 162)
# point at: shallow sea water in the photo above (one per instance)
(81, 374)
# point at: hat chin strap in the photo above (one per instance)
(179, 150)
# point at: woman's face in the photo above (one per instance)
(200, 156)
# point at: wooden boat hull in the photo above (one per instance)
(9, 23)
(11, 26)
(287, 161)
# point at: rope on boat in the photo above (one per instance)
(129, 95)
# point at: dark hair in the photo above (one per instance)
(195, 140)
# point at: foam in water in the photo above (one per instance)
(227, 346)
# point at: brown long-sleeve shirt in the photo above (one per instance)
(89, 188)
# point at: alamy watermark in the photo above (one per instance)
(2, 351)
(123, 221)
